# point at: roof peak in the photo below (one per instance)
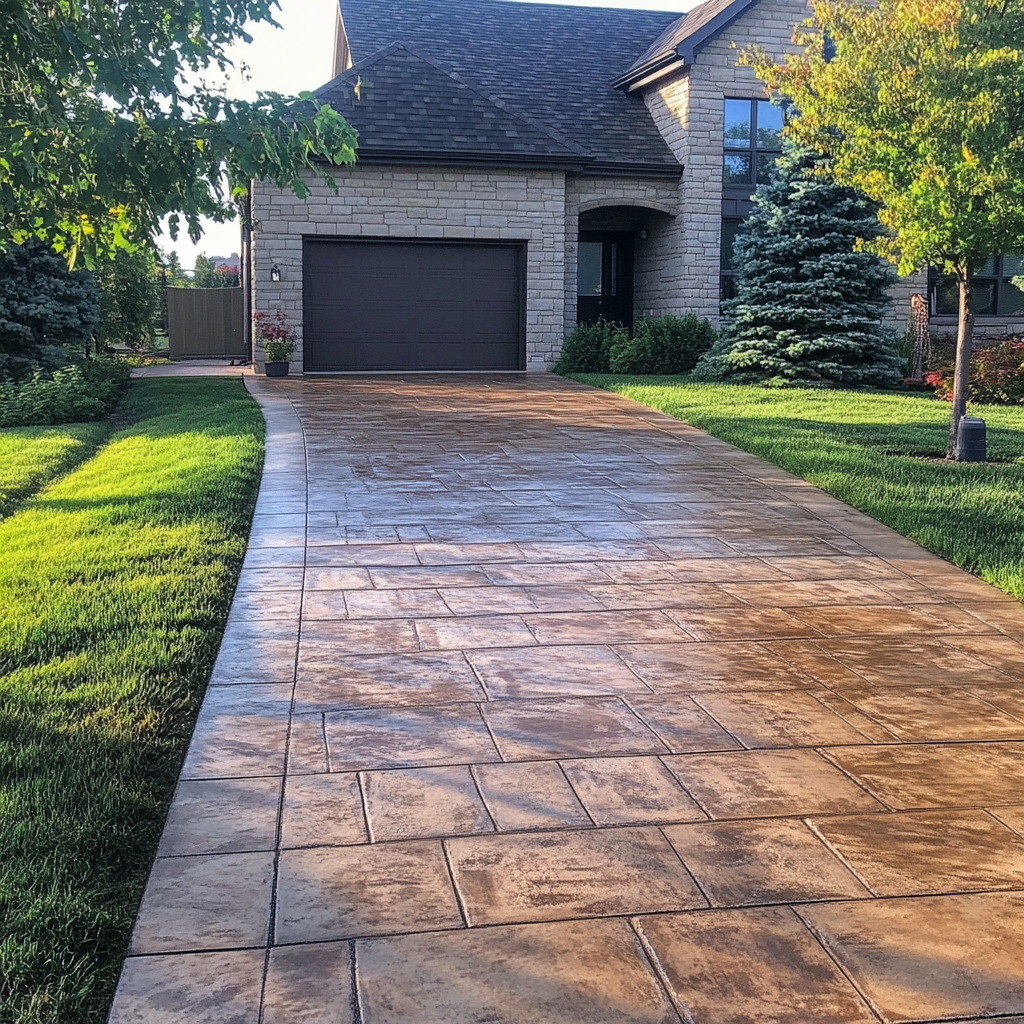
(677, 46)
(508, 108)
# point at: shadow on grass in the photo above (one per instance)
(114, 591)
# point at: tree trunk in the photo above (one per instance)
(964, 340)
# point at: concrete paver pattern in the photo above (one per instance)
(539, 707)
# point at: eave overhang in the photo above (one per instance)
(583, 166)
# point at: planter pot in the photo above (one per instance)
(277, 369)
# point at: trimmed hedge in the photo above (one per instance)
(661, 345)
(81, 392)
(587, 349)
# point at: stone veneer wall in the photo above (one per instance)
(421, 202)
(986, 328)
(689, 110)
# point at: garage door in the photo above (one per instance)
(412, 306)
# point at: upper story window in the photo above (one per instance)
(994, 291)
(753, 141)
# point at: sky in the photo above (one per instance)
(299, 56)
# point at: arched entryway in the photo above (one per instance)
(611, 238)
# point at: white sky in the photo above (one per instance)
(299, 56)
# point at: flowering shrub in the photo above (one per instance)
(997, 374)
(274, 336)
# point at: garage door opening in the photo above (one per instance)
(386, 305)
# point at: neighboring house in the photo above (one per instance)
(521, 167)
(232, 263)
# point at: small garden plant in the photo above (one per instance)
(84, 391)
(274, 336)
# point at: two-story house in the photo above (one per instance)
(524, 166)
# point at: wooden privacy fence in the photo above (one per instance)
(204, 323)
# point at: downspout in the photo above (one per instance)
(247, 272)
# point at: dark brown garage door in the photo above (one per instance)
(412, 306)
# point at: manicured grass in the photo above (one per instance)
(115, 583)
(871, 450)
(31, 457)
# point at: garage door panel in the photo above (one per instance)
(403, 305)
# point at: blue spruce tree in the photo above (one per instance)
(809, 306)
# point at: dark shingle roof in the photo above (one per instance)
(406, 104)
(684, 37)
(550, 65)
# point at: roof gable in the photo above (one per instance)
(548, 64)
(401, 102)
(681, 41)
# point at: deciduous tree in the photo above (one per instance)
(920, 106)
(174, 275)
(106, 125)
(207, 275)
(131, 294)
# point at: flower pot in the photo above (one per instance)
(277, 369)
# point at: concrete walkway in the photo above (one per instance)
(538, 707)
(193, 368)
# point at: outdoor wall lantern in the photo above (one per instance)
(275, 273)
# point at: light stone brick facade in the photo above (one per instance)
(420, 202)
(689, 111)
(677, 255)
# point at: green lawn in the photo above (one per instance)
(871, 450)
(115, 583)
(31, 457)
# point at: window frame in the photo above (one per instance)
(727, 275)
(753, 147)
(999, 279)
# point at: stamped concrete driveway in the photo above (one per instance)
(548, 709)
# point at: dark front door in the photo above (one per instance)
(382, 305)
(604, 277)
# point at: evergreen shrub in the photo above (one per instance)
(810, 301)
(663, 345)
(84, 391)
(588, 347)
(44, 308)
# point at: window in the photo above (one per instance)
(588, 270)
(731, 227)
(994, 291)
(752, 141)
